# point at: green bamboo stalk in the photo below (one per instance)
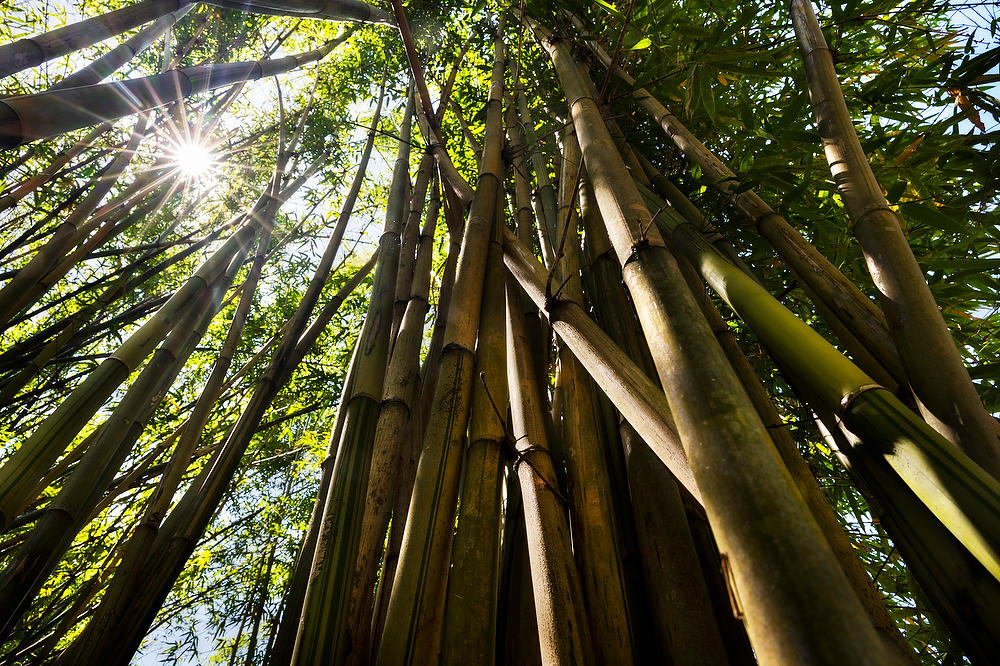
(470, 622)
(111, 61)
(408, 248)
(960, 590)
(857, 312)
(956, 490)
(719, 429)
(563, 630)
(33, 51)
(42, 115)
(947, 398)
(415, 609)
(546, 193)
(284, 641)
(517, 644)
(70, 510)
(322, 635)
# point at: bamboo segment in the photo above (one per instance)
(470, 624)
(415, 611)
(109, 63)
(322, 636)
(29, 117)
(33, 51)
(563, 632)
(720, 431)
(934, 367)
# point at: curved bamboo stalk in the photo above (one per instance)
(415, 611)
(330, 10)
(718, 427)
(934, 367)
(33, 51)
(29, 117)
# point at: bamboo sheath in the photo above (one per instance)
(721, 432)
(857, 312)
(111, 61)
(934, 367)
(322, 635)
(43, 115)
(33, 51)
(415, 609)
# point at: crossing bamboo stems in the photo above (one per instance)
(109, 63)
(33, 51)
(718, 427)
(29, 117)
(415, 610)
(934, 367)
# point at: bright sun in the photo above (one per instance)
(193, 160)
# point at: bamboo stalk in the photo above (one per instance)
(947, 398)
(109, 63)
(322, 635)
(42, 115)
(330, 10)
(470, 622)
(718, 426)
(33, 51)
(415, 610)
(563, 631)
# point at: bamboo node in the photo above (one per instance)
(848, 400)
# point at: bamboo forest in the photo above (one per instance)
(348, 332)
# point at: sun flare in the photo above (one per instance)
(193, 160)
